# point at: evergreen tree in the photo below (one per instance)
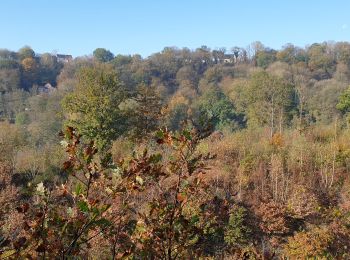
(147, 112)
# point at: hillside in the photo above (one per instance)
(239, 153)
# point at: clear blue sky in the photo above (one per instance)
(77, 27)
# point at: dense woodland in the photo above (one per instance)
(240, 153)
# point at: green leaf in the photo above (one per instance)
(78, 189)
(194, 219)
(96, 211)
(131, 226)
(184, 184)
(160, 134)
(155, 158)
(187, 134)
(83, 206)
(102, 222)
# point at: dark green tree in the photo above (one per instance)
(103, 55)
(344, 101)
(147, 112)
(215, 108)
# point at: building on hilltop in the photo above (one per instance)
(229, 58)
(64, 58)
(46, 89)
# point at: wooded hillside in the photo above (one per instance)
(240, 153)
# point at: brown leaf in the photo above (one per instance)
(19, 243)
(41, 248)
(70, 131)
(5, 242)
(26, 226)
(67, 165)
(160, 141)
(39, 214)
(23, 209)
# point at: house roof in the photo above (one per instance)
(64, 56)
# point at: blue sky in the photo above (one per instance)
(77, 27)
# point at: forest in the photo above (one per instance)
(239, 153)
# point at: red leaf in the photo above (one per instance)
(180, 197)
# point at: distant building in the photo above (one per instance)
(229, 58)
(64, 58)
(46, 89)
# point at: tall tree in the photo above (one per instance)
(9, 80)
(93, 106)
(49, 68)
(26, 52)
(268, 101)
(103, 55)
(320, 60)
(215, 108)
(147, 112)
(265, 57)
(29, 72)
